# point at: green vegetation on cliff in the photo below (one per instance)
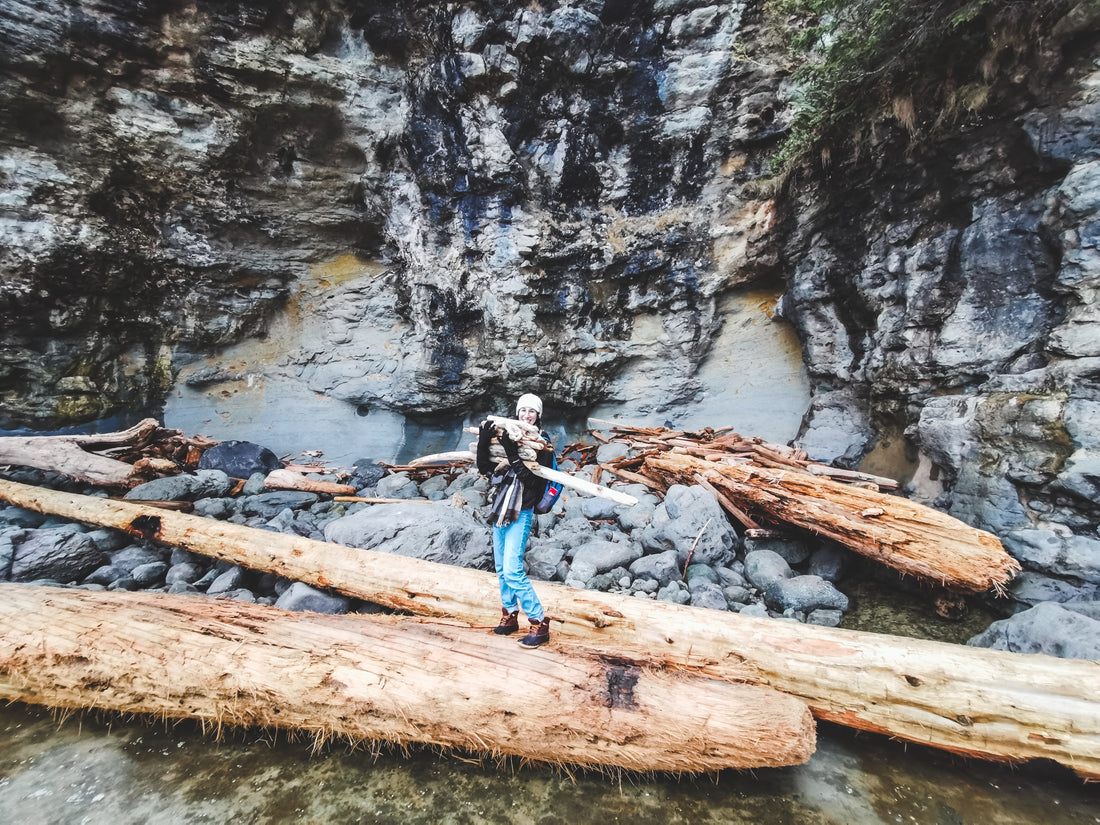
(923, 64)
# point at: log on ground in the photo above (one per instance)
(76, 456)
(914, 539)
(983, 703)
(382, 679)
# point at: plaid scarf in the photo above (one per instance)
(508, 500)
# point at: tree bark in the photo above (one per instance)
(917, 540)
(379, 678)
(79, 456)
(74, 456)
(983, 703)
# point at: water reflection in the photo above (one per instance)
(106, 771)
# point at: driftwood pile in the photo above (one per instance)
(120, 459)
(763, 485)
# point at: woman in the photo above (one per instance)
(516, 491)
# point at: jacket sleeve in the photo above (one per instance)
(485, 464)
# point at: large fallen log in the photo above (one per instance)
(977, 702)
(380, 678)
(76, 456)
(914, 539)
(117, 459)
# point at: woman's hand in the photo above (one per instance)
(511, 449)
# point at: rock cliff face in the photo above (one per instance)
(421, 209)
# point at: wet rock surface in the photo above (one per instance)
(416, 206)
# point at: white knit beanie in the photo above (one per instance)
(529, 400)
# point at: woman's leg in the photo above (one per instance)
(513, 576)
(508, 598)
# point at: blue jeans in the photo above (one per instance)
(509, 543)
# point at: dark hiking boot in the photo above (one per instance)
(509, 623)
(539, 634)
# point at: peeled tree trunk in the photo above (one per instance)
(76, 456)
(916, 540)
(382, 679)
(983, 703)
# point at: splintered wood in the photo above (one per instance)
(756, 481)
(914, 539)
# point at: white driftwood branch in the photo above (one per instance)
(288, 480)
(581, 485)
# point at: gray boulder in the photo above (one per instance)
(599, 509)
(580, 574)
(397, 485)
(1045, 550)
(108, 540)
(64, 554)
(700, 573)
(825, 617)
(240, 594)
(728, 576)
(105, 574)
(542, 561)
(254, 484)
(674, 592)
(660, 567)
(186, 487)
(709, 595)
(11, 516)
(757, 609)
(1089, 608)
(300, 596)
(737, 594)
(693, 513)
(804, 593)
(612, 451)
(763, 568)
(830, 562)
(1046, 628)
(606, 555)
(185, 571)
(219, 508)
(435, 484)
(792, 550)
(8, 539)
(135, 555)
(632, 518)
(1030, 588)
(430, 531)
(269, 505)
(147, 575)
(224, 582)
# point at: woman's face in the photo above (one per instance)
(528, 415)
